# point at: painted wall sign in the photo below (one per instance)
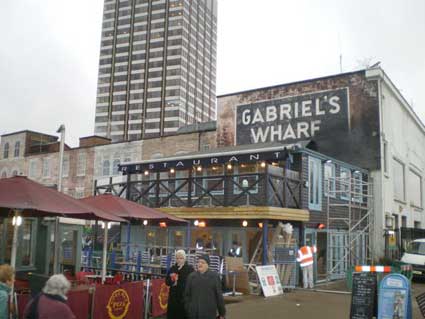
(292, 119)
(363, 296)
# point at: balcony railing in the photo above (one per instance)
(256, 189)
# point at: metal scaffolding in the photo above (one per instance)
(350, 220)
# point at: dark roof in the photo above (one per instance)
(28, 131)
(222, 151)
(95, 136)
(292, 83)
(198, 127)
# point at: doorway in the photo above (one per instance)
(321, 255)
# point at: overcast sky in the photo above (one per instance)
(49, 52)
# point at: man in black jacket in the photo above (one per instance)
(203, 296)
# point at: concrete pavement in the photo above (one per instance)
(304, 304)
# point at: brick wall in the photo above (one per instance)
(178, 144)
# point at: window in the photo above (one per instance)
(403, 221)
(398, 180)
(251, 178)
(208, 183)
(415, 189)
(396, 223)
(45, 172)
(33, 168)
(4, 174)
(6, 150)
(15, 173)
(314, 183)
(81, 165)
(181, 178)
(17, 148)
(345, 177)
(105, 168)
(329, 170)
(357, 187)
(115, 167)
(416, 224)
(65, 166)
(25, 245)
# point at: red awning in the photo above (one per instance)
(36, 200)
(127, 209)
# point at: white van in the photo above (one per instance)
(415, 255)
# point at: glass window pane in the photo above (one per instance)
(398, 180)
(25, 248)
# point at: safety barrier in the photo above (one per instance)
(146, 298)
(397, 267)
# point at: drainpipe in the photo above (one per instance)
(381, 143)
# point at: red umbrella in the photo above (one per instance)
(36, 200)
(127, 209)
(29, 198)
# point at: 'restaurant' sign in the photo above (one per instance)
(185, 163)
(294, 118)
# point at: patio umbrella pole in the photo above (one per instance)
(14, 241)
(56, 247)
(105, 250)
(14, 247)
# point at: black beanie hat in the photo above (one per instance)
(205, 257)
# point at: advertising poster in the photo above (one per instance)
(160, 293)
(119, 301)
(394, 298)
(269, 279)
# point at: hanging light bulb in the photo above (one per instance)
(245, 223)
(145, 222)
(196, 222)
(17, 221)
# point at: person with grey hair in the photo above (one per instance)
(51, 302)
(176, 280)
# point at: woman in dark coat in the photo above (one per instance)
(176, 280)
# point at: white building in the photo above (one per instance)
(399, 184)
(108, 157)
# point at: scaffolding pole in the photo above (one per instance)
(350, 220)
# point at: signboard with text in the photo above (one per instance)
(292, 119)
(363, 297)
(269, 279)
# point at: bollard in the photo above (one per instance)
(147, 300)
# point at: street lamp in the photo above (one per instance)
(60, 130)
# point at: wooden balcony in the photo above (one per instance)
(252, 189)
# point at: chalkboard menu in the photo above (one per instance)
(363, 298)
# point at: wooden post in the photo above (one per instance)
(189, 188)
(265, 241)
